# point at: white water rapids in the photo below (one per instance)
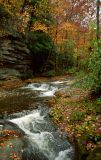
(42, 136)
(44, 140)
(45, 89)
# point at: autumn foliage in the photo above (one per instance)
(70, 24)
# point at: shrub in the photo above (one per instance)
(67, 55)
(94, 77)
(77, 116)
(43, 51)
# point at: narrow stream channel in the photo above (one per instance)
(41, 138)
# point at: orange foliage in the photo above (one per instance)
(71, 21)
(70, 18)
(39, 26)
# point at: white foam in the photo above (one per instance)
(46, 90)
(44, 139)
(26, 121)
(57, 82)
(41, 139)
(32, 121)
(38, 87)
(47, 94)
(63, 155)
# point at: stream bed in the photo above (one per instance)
(25, 111)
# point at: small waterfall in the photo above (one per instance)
(43, 139)
(45, 90)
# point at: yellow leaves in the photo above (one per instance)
(39, 26)
(25, 17)
(57, 11)
(12, 5)
(59, 7)
(78, 135)
(88, 117)
(66, 26)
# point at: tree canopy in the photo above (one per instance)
(66, 28)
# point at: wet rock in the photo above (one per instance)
(13, 143)
(33, 154)
(63, 93)
(15, 58)
(7, 125)
(11, 140)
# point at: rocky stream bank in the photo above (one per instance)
(74, 112)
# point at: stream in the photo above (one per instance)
(25, 110)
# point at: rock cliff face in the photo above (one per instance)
(15, 58)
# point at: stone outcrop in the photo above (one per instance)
(15, 58)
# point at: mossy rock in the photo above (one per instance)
(95, 154)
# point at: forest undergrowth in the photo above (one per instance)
(78, 113)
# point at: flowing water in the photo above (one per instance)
(41, 138)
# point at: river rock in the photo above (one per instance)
(11, 140)
(33, 154)
(14, 145)
(15, 58)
